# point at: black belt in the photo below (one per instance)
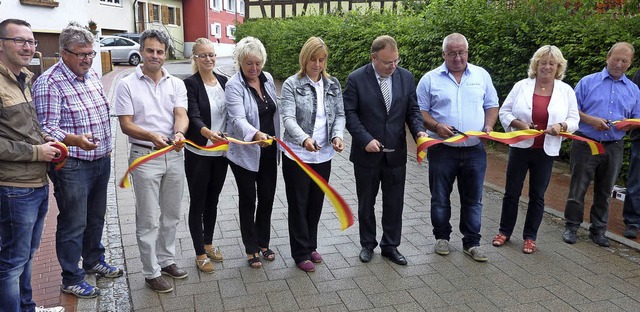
(153, 148)
(599, 141)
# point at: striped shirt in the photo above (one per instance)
(67, 104)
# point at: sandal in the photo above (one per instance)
(254, 262)
(268, 254)
(500, 240)
(529, 246)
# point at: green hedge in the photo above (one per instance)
(501, 39)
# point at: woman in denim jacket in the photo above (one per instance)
(252, 115)
(313, 117)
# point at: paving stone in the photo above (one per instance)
(355, 299)
(182, 302)
(605, 306)
(232, 288)
(301, 286)
(283, 301)
(208, 302)
(245, 301)
(266, 287)
(390, 298)
(318, 300)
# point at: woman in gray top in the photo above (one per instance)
(252, 115)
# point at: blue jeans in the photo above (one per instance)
(22, 212)
(80, 188)
(539, 166)
(631, 210)
(468, 165)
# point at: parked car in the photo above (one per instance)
(123, 50)
(135, 37)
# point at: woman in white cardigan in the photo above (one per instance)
(541, 102)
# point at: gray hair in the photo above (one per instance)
(249, 46)
(454, 38)
(160, 35)
(75, 35)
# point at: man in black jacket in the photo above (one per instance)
(379, 99)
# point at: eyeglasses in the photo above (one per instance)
(461, 54)
(390, 63)
(82, 56)
(204, 55)
(21, 41)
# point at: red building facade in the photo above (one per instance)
(213, 19)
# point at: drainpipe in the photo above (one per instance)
(135, 16)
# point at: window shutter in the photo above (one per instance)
(178, 16)
(150, 10)
(165, 14)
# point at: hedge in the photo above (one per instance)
(501, 39)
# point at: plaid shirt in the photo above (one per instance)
(68, 105)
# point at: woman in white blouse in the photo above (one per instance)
(541, 102)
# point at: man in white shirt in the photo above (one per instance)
(152, 109)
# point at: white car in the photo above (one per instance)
(123, 50)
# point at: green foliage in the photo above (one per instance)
(502, 39)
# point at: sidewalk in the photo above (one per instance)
(582, 277)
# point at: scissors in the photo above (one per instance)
(456, 131)
(386, 150)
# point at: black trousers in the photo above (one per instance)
(255, 222)
(205, 178)
(305, 200)
(368, 181)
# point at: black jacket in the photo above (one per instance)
(199, 107)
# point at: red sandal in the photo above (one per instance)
(529, 246)
(500, 239)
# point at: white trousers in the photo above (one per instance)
(158, 186)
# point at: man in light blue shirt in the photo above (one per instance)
(457, 96)
(603, 97)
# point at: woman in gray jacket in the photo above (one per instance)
(313, 117)
(252, 115)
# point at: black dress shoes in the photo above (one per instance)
(395, 256)
(366, 254)
(599, 239)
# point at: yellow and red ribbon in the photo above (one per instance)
(503, 137)
(342, 209)
(621, 123)
(345, 217)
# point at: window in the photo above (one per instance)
(241, 7)
(111, 2)
(215, 5)
(231, 31)
(172, 15)
(155, 17)
(216, 30)
(230, 5)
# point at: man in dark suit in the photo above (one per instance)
(379, 98)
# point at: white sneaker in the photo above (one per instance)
(442, 247)
(52, 309)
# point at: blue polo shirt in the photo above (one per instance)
(459, 105)
(600, 96)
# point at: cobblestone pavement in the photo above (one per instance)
(559, 277)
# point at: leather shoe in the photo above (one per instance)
(599, 239)
(366, 254)
(395, 256)
(631, 232)
(569, 236)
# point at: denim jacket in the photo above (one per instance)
(298, 108)
(243, 120)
